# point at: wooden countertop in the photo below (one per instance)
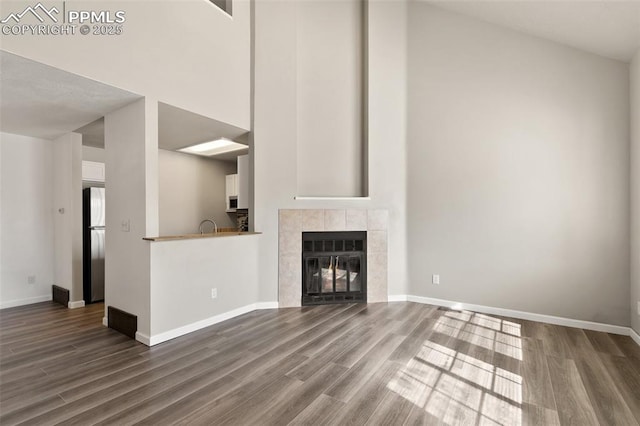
(196, 236)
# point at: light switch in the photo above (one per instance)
(125, 225)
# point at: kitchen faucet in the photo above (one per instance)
(215, 227)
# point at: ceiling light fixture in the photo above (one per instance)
(218, 146)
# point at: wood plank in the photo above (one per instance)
(392, 410)
(368, 341)
(350, 384)
(63, 379)
(578, 342)
(629, 348)
(602, 342)
(287, 407)
(534, 415)
(532, 329)
(138, 373)
(364, 404)
(475, 373)
(260, 390)
(176, 410)
(536, 387)
(143, 410)
(411, 319)
(414, 341)
(35, 359)
(605, 398)
(201, 402)
(418, 416)
(97, 400)
(555, 341)
(41, 406)
(331, 350)
(626, 380)
(322, 411)
(572, 400)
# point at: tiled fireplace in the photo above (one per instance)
(293, 222)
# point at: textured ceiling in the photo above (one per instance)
(45, 102)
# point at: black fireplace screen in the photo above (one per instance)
(334, 267)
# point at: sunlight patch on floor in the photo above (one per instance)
(460, 389)
(490, 333)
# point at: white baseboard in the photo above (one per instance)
(27, 301)
(143, 338)
(189, 328)
(105, 321)
(267, 305)
(588, 325)
(549, 319)
(397, 298)
(76, 304)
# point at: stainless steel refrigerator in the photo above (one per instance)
(93, 244)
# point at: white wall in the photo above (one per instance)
(275, 130)
(518, 170)
(387, 127)
(131, 189)
(183, 273)
(329, 92)
(26, 219)
(635, 192)
(90, 153)
(67, 196)
(192, 189)
(186, 53)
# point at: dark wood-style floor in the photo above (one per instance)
(396, 363)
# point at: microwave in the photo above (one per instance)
(233, 202)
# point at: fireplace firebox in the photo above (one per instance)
(334, 267)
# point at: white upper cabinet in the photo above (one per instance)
(237, 186)
(92, 171)
(231, 186)
(243, 182)
(231, 192)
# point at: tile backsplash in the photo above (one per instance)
(242, 220)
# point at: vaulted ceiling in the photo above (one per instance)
(608, 28)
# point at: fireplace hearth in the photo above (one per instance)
(334, 267)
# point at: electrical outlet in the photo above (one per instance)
(31, 279)
(435, 279)
(125, 225)
(214, 293)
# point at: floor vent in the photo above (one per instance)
(122, 321)
(60, 295)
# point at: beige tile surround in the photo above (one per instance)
(293, 222)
